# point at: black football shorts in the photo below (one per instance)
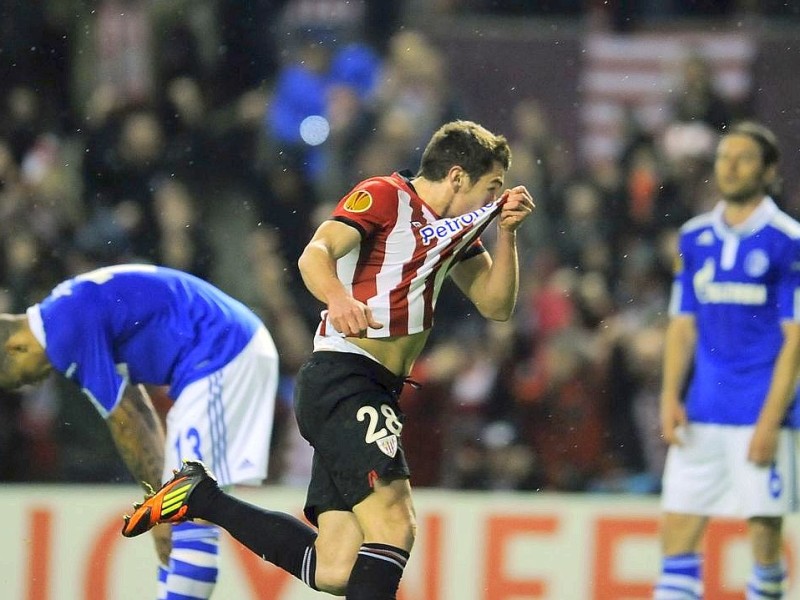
(347, 408)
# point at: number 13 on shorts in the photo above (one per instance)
(188, 445)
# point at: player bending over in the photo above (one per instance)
(114, 328)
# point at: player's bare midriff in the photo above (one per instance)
(395, 353)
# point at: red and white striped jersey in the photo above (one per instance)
(405, 253)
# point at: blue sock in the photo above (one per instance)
(193, 562)
(681, 578)
(766, 582)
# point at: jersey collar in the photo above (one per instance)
(406, 175)
(760, 218)
(36, 324)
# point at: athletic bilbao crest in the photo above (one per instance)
(388, 445)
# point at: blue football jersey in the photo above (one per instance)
(139, 323)
(740, 283)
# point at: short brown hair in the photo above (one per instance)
(766, 140)
(467, 145)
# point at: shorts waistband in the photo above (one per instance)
(375, 370)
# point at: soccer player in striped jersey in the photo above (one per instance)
(377, 264)
(114, 328)
(734, 333)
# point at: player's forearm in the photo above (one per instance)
(499, 287)
(139, 436)
(679, 345)
(783, 385)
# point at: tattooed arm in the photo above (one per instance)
(139, 436)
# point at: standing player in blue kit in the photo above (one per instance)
(114, 328)
(735, 325)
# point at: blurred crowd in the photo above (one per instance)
(213, 136)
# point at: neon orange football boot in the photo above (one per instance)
(168, 504)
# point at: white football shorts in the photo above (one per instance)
(710, 474)
(225, 419)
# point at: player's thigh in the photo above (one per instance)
(225, 419)
(387, 515)
(765, 491)
(354, 423)
(360, 445)
(250, 384)
(348, 465)
(696, 474)
(338, 540)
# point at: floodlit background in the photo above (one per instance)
(214, 135)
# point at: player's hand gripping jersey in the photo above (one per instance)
(122, 317)
(739, 282)
(405, 253)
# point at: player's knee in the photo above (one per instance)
(336, 553)
(396, 525)
(387, 515)
(332, 578)
(772, 525)
(408, 528)
(767, 539)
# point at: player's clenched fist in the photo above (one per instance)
(517, 206)
(351, 317)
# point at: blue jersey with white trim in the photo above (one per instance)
(143, 324)
(740, 283)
